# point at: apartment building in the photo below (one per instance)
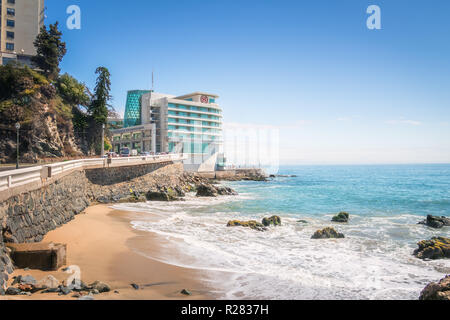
(21, 21)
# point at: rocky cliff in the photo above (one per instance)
(46, 119)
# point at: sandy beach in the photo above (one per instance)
(101, 242)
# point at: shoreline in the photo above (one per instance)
(103, 244)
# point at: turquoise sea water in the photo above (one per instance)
(383, 190)
(374, 261)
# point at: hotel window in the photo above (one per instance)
(10, 11)
(12, 1)
(10, 46)
(9, 35)
(10, 23)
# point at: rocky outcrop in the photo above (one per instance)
(241, 175)
(247, 224)
(166, 194)
(341, 217)
(327, 233)
(274, 221)
(210, 190)
(436, 248)
(436, 222)
(437, 291)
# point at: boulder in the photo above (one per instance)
(327, 233)
(157, 196)
(133, 198)
(436, 222)
(274, 220)
(302, 221)
(225, 191)
(435, 248)
(206, 190)
(437, 291)
(28, 280)
(186, 292)
(100, 286)
(341, 217)
(49, 282)
(11, 291)
(247, 224)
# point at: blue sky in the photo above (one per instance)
(337, 91)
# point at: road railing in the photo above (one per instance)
(16, 178)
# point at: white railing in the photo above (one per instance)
(15, 178)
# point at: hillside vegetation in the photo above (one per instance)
(58, 115)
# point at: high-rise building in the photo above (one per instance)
(21, 21)
(163, 123)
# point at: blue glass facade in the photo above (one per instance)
(133, 108)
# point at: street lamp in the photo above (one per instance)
(17, 154)
(103, 140)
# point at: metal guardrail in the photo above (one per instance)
(15, 178)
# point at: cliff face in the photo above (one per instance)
(46, 120)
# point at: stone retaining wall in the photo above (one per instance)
(28, 217)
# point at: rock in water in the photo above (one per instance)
(100, 286)
(327, 233)
(436, 248)
(341, 217)
(247, 224)
(226, 191)
(436, 222)
(437, 291)
(274, 220)
(206, 190)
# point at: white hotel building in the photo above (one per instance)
(189, 124)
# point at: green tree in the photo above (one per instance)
(50, 50)
(98, 110)
(99, 105)
(72, 91)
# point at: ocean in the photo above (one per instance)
(374, 261)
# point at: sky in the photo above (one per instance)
(336, 92)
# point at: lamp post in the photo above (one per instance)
(17, 153)
(103, 140)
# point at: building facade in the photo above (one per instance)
(21, 21)
(163, 123)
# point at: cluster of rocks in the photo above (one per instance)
(437, 291)
(165, 191)
(435, 248)
(341, 217)
(210, 190)
(282, 176)
(327, 233)
(436, 222)
(27, 285)
(255, 225)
